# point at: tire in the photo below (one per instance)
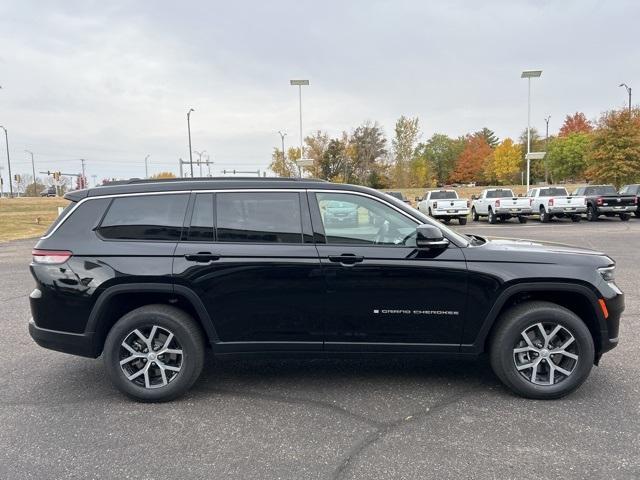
(446, 220)
(474, 215)
(462, 220)
(493, 219)
(522, 219)
(151, 385)
(637, 213)
(508, 337)
(429, 212)
(591, 213)
(544, 216)
(625, 217)
(576, 218)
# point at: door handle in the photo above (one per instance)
(346, 259)
(201, 257)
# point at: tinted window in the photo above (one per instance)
(356, 219)
(553, 192)
(443, 195)
(61, 217)
(500, 194)
(201, 229)
(145, 217)
(601, 190)
(258, 217)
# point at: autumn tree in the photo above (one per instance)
(316, 146)
(404, 144)
(334, 164)
(281, 165)
(506, 161)
(489, 136)
(440, 153)
(567, 156)
(576, 123)
(161, 175)
(615, 151)
(470, 163)
(367, 150)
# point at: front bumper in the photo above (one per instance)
(514, 211)
(73, 343)
(614, 301)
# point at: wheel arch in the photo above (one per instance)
(118, 300)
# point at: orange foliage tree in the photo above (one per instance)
(576, 123)
(470, 164)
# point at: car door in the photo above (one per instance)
(384, 293)
(257, 272)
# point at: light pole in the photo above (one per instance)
(628, 92)
(33, 167)
(146, 166)
(6, 140)
(299, 84)
(529, 74)
(200, 154)
(189, 130)
(282, 135)
(546, 148)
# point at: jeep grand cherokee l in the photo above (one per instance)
(150, 275)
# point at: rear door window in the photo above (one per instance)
(258, 217)
(202, 226)
(145, 217)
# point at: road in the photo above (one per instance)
(322, 419)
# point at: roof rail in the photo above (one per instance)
(204, 179)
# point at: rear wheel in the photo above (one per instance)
(541, 350)
(474, 214)
(154, 353)
(625, 217)
(493, 219)
(462, 220)
(591, 213)
(522, 219)
(544, 216)
(576, 218)
(637, 213)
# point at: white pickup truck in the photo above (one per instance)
(552, 202)
(500, 204)
(444, 205)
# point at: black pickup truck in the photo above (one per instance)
(605, 200)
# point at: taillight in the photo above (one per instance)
(50, 257)
(635, 200)
(497, 203)
(469, 203)
(551, 202)
(599, 201)
(435, 204)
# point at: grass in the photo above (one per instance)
(27, 217)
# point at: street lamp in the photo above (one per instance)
(6, 139)
(529, 74)
(189, 130)
(299, 84)
(146, 166)
(33, 167)
(628, 92)
(282, 135)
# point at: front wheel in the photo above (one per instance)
(462, 220)
(154, 353)
(541, 350)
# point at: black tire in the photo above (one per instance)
(446, 220)
(576, 218)
(637, 213)
(462, 220)
(544, 216)
(187, 335)
(493, 219)
(474, 214)
(522, 219)
(429, 212)
(625, 217)
(591, 213)
(508, 334)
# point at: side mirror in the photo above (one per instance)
(430, 237)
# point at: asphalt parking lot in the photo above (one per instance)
(60, 417)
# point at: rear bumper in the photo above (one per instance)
(72, 343)
(451, 213)
(513, 211)
(568, 210)
(614, 209)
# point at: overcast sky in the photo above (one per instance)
(111, 81)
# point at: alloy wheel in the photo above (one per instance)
(151, 357)
(546, 353)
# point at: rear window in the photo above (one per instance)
(443, 195)
(397, 195)
(502, 193)
(261, 217)
(145, 217)
(553, 192)
(601, 190)
(61, 217)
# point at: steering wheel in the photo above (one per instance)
(386, 232)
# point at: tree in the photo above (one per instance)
(163, 175)
(567, 156)
(404, 143)
(615, 149)
(281, 165)
(576, 123)
(470, 163)
(367, 149)
(316, 146)
(537, 145)
(506, 161)
(30, 190)
(489, 137)
(334, 164)
(440, 153)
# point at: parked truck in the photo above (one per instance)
(551, 202)
(605, 200)
(444, 205)
(500, 204)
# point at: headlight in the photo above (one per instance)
(608, 273)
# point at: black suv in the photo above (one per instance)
(152, 274)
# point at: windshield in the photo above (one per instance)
(500, 193)
(444, 195)
(553, 192)
(601, 190)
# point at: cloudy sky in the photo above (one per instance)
(111, 82)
